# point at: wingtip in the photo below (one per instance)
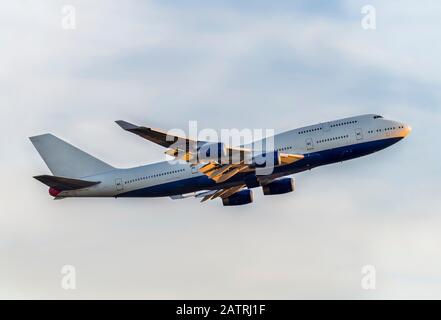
(36, 137)
(126, 125)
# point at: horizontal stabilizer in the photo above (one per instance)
(62, 184)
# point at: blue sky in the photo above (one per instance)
(226, 64)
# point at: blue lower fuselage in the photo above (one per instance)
(311, 160)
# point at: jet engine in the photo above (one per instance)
(239, 198)
(279, 186)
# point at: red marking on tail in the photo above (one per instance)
(54, 192)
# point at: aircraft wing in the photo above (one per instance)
(190, 150)
(180, 147)
(160, 137)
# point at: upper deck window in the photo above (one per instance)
(343, 123)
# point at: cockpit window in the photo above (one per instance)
(377, 117)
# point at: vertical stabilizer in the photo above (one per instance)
(65, 160)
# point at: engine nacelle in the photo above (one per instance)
(279, 186)
(267, 159)
(239, 198)
(215, 151)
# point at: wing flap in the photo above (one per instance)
(222, 172)
(229, 173)
(287, 158)
(222, 193)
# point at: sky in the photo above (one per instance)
(226, 64)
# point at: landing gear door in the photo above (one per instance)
(358, 134)
(309, 144)
(119, 184)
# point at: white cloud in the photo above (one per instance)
(224, 66)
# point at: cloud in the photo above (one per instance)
(227, 65)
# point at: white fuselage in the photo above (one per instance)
(348, 137)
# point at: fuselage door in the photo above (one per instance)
(358, 134)
(309, 145)
(119, 184)
(194, 169)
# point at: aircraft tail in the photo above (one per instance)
(65, 160)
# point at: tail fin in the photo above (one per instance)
(65, 160)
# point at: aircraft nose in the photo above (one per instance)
(405, 130)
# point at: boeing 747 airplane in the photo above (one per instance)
(210, 170)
